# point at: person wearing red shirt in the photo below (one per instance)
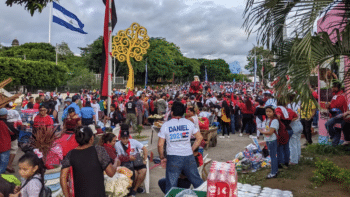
(37, 103)
(338, 105)
(285, 116)
(5, 141)
(42, 119)
(248, 110)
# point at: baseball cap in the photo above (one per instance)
(68, 100)
(171, 102)
(3, 111)
(124, 133)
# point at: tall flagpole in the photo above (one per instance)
(50, 21)
(146, 75)
(56, 54)
(109, 56)
(255, 71)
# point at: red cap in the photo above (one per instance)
(171, 102)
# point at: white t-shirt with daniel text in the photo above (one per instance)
(177, 133)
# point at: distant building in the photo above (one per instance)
(15, 43)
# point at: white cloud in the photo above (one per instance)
(202, 29)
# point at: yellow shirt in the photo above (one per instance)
(309, 113)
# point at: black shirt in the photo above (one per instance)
(130, 107)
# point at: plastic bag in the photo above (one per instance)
(239, 156)
(252, 147)
(186, 193)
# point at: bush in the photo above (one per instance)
(33, 73)
(327, 171)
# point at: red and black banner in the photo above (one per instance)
(105, 52)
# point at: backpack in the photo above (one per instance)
(282, 136)
(45, 191)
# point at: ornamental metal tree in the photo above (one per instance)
(130, 43)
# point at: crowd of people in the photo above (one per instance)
(88, 151)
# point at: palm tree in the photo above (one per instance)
(300, 56)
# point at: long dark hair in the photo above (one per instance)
(108, 137)
(33, 160)
(248, 103)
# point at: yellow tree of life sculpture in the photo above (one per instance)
(130, 43)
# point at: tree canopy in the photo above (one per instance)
(164, 59)
(30, 5)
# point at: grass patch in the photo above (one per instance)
(326, 150)
(139, 137)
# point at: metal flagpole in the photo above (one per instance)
(56, 54)
(255, 71)
(109, 57)
(114, 70)
(146, 75)
(50, 21)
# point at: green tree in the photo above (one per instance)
(264, 58)
(41, 73)
(83, 78)
(63, 51)
(31, 51)
(92, 55)
(161, 58)
(30, 5)
(300, 56)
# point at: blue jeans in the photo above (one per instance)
(185, 164)
(181, 183)
(315, 119)
(272, 146)
(4, 160)
(283, 151)
(233, 126)
(334, 133)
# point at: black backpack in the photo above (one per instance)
(45, 191)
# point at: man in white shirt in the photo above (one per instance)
(177, 132)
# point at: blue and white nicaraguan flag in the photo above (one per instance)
(67, 19)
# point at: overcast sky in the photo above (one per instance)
(201, 28)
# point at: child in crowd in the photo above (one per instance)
(272, 126)
(32, 170)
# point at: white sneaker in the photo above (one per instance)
(221, 136)
(240, 134)
(250, 136)
(228, 136)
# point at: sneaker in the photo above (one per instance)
(132, 194)
(345, 143)
(270, 176)
(250, 136)
(140, 190)
(221, 137)
(240, 135)
(228, 136)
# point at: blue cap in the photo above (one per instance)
(3, 111)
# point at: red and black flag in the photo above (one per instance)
(105, 53)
